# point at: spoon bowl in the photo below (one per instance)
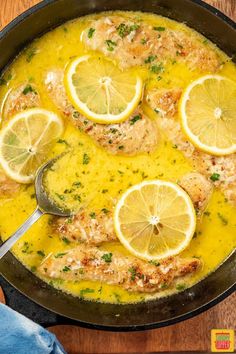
(44, 206)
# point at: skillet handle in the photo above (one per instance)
(7, 245)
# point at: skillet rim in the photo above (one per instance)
(140, 327)
(45, 3)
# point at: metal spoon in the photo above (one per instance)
(44, 206)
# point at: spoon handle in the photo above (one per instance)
(5, 247)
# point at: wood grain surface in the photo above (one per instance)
(191, 335)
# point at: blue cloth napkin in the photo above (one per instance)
(19, 335)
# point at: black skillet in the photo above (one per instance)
(217, 286)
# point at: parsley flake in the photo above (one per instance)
(135, 119)
(41, 253)
(159, 28)
(86, 159)
(150, 59)
(215, 177)
(28, 89)
(91, 32)
(66, 269)
(107, 257)
(110, 45)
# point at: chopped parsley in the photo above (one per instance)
(105, 211)
(107, 257)
(135, 119)
(33, 269)
(63, 141)
(91, 32)
(86, 159)
(110, 45)
(86, 291)
(26, 248)
(28, 89)
(65, 240)
(134, 27)
(77, 184)
(164, 286)
(75, 114)
(60, 196)
(157, 69)
(155, 263)
(215, 177)
(223, 219)
(207, 213)
(77, 197)
(69, 220)
(30, 53)
(117, 297)
(144, 175)
(92, 215)
(159, 28)
(41, 253)
(66, 269)
(68, 191)
(132, 270)
(150, 59)
(143, 41)
(123, 29)
(180, 287)
(59, 255)
(113, 130)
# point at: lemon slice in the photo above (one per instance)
(100, 90)
(25, 142)
(155, 219)
(208, 113)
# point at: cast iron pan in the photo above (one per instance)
(33, 23)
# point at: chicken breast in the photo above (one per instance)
(20, 98)
(136, 43)
(137, 134)
(92, 229)
(199, 189)
(221, 170)
(84, 263)
(164, 101)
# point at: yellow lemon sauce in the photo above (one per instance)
(94, 178)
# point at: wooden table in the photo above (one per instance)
(191, 335)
